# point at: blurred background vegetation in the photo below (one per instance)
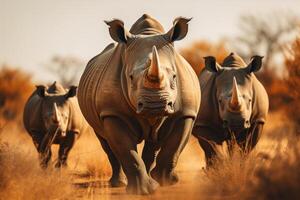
(274, 36)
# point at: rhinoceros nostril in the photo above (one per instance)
(247, 124)
(170, 104)
(55, 121)
(140, 107)
(140, 104)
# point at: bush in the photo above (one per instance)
(15, 88)
(194, 53)
(22, 178)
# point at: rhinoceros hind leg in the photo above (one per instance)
(149, 154)
(118, 178)
(125, 148)
(208, 140)
(209, 151)
(168, 156)
(64, 150)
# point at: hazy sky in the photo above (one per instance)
(32, 31)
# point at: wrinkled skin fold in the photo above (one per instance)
(52, 116)
(141, 89)
(234, 105)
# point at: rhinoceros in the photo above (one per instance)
(52, 116)
(141, 89)
(234, 105)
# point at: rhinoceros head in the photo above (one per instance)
(234, 90)
(149, 64)
(55, 106)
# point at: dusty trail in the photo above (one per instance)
(99, 189)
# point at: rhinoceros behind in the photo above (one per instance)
(52, 116)
(141, 89)
(234, 104)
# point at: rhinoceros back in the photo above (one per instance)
(32, 117)
(260, 105)
(89, 83)
(208, 112)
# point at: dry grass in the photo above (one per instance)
(280, 177)
(22, 178)
(272, 171)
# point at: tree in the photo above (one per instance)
(194, 53)
(292, 81)
(266, 35)
(67, 69)
(15, 88)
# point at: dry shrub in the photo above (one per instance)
(292, 64)
(20, 174)
(279, 179)
(283, 90)
(194, 53)
(22, 178)
(269, 175)
(15, 88)
(229, 176)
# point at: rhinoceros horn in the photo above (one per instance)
(154, 72)
(55, 113)
(235, 102)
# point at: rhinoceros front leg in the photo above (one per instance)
(44, 153)
(37, 138)
(64, 149)
(168, 156)
(250, 140)
(122, 142)
(117, 179)
(149, 154)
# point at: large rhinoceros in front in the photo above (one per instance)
(234, 106)
(141, 89)
(52, 116)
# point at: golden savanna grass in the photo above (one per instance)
(269, 172)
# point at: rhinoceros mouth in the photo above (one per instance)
(236, 126)
(150, 108)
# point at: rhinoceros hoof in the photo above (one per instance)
(60, 164)
(165, 179)
(43, 165)
(117, 182)
(145, 187)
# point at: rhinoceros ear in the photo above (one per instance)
(212, 65)
(179, 29)
(255, 64)
(117, 31)
(72, 92)
(41, 90)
